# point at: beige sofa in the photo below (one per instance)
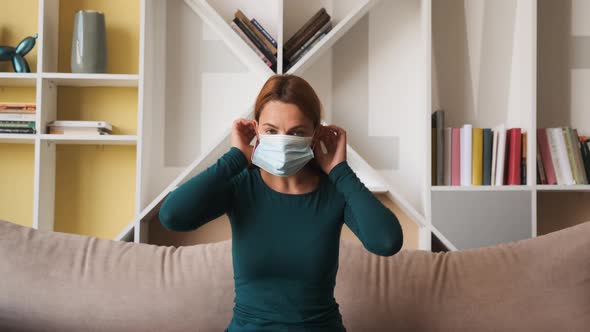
(53, 281)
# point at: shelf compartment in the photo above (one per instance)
(344, 15)
(559, 210)
(16, 175)
(94, 190)
(367, 81)
(488, 51)
(122, 33)
(117, 105)
(19, 20)
(477, 219)
(217, 15)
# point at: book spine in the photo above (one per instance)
(17, 117)
(255, 40)
(318, 35)
(487, 156)
(17, 130)
(264, 32)
(570, 154)
(541, 175)
(501, 156)
(257, 34)
(440, 141)
(307, 49)
(252, 46)
(477, 157)
(514, 156)
(523, 154)
(299, 32)
(447, 157)
(494, 155)
(456, 156)
(585, 146)
(543, 142)
(433, 156)
(562, 164)
(466, 137)
(17, 124)
(317, 25)
(578, 155)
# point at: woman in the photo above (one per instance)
(286, 201)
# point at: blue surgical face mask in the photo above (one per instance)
(282, 155)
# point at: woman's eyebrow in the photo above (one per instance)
(273, 126)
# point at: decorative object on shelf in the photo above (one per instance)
(89, 48)
(17, 54)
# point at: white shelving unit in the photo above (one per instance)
(380, 72)
(517, 63)
(368, 71)
(47, 80)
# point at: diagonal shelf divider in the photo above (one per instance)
(240, 49)
(332, 37)
(369, 176)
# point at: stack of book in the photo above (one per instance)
(469, 156)
(306, 37)
(563, 157)
(60, 127)
(17, 118)
(259, 40)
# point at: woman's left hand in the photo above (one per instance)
(334, 139)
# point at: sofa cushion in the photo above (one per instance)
(67, 282)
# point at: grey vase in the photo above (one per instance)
(89, 47)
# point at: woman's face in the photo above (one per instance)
(277, 117)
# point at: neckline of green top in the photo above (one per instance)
(323, 178)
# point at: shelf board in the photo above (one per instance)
(17, 138)
(76, 79)
(87, 139)
(18, 79)
(482, 188)
(558, 187)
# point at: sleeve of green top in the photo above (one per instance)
(205, 196)
(373, 223)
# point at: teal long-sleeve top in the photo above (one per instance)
(284, 246)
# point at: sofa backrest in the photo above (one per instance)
(54, 281)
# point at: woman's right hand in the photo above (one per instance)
(243, 132)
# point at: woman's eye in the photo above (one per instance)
(298, 133)
(270, 131)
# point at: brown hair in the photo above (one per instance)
(291, 89)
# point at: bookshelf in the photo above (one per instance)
(70, 183)
(380, 72)
(518, 63)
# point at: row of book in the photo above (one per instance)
(265, 46)
(304, 39)
(467, 156)
(563, 157)
(18, 118)
(259, 40)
